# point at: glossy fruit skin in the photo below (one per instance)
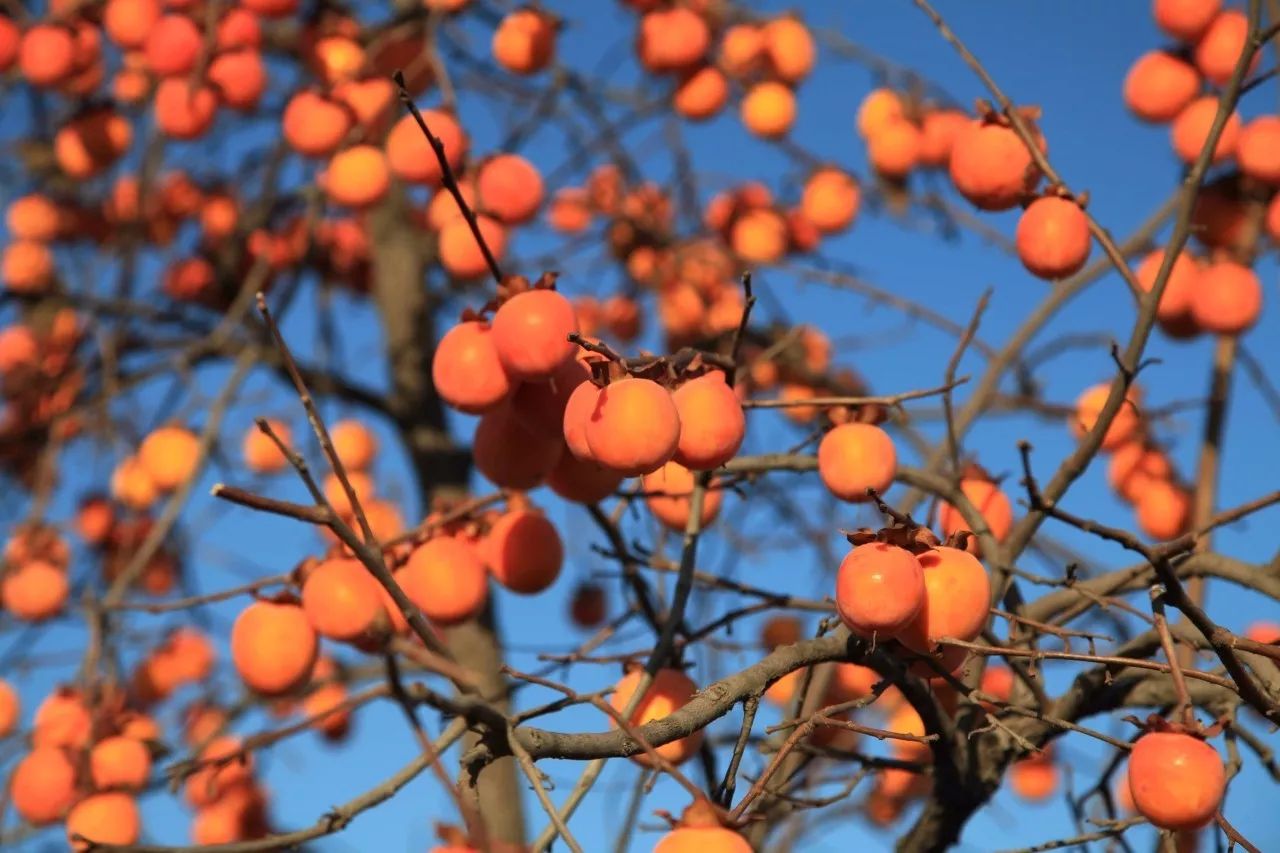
(712, 423)
(855, 457)
(702, 839)
(466, 370)
(634, 427)
(1177, 781)
(672, 508)
(342, 599)
(671, 690)
(273, 647)
(42, 786)
(530, 332)
(1159, 86)
(446, 578)
(956, 601)
(879, 589)
(1053, 238)
(523, 551)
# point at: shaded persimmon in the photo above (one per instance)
(855, 457)
(446, 578)
(1034, 779)
(524, 41)
(315, 125)
(569, 211)
(1126, 424)
(633, 426)
(879, 589)
(511, 454)
(1185, 19)
(531, 334)
(541, 405)
(851, 681)
(466, 370)
(741, 49)
(238, 814)
(224, 763)
(1190, 131)
(10, 42)
(1227, 299)
(1159, 85)
(938, 131)
(410, 155)
(354, 443)
(1177, 781)
(669, 491)
(670, 690)
(712, 423)
(523, 551)
(1164, 509)
(956, 600)
(578, 409)
(769, 109)
(91, 142)
(325, 703)
(991, 166)
(182, 111)
(120, 762)
(1053, 237)
(240, 78)
(672, 39)
(343, 601)
(43, 785)
(34, 591)
(273, 646)
(701, 93)
(62, 719)
(460, 254)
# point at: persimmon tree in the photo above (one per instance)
(538, 388)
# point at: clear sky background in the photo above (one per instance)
(1069, 58)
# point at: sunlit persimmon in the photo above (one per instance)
(1159, 85)
(120, 762)
(670, 690)
(62, 719)
(1180, 288)
(410, 155)
(1134, 466)
(789, 49)
(523, 551)
(851, 681)
(34, 591)
(43, 785)
(1219, 47)
(991, 503)
(128, 22)
(769, 109)
(741, 49)
(509, 188)
(938, 131)
(355, 444)
(701, 93)
(700, 830)
(894, 148)
(524, 41)
(1126, 424)
(446, 578)
(460, 253)
(357, 176)
(878, 108)
(1228, 298)
(342, 600)
(991, 166)
(1164, 509)
(633, 426)
(760, 236)
(10, 708)
(239, 77)
(466, 370)
(33, 217)
(1190, 131)
(712, 423)
(531, 334)
(672, 39)
(184, 111)
(315, 125)
(956, 601)
(831, 200)
(1185, 19)
(578, 409)
(906, 720)
(569, 211)
(997, 682)
(261, 453)
(173, 46)
(325, 704)
(170, 456)
(855, 457)
(1177, 781)
(26, 267)
(669, 496)
(879, 589)
(1034, 779)
(1053, 237)
(46, 56)
(224, 763)
(273, 646)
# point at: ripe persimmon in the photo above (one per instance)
(1034, 779)
(741, 49)
(1134, 466)
(701, 93)
(224, 764)
(27, 267)
(1159, 85)
(410, 154)
(240, 78)
(510, 453)
(1190, 131)
(1228, 298)
(569, 211)
(314, 125)
(769, 109)
(525, 41)
(523, 551)
(879, 589)
(43, 785)
(273, 646)
(672, 39)
(669, 691)
(325, 705)
(90, 142)
(957, 598)
(120, 762)
(760, 236)
(460, 254)
(712, 423)
(831, 199)
(855, 457)
(669, 496)
(62, 719)
(701, 831)
(1177, 780)
(1258, 152)
(789, 49)
(1053, 237)
(1164, 509)
(173, 45)
(1182, 284)
(33, 217)
(894, 148)
(445, 577)
(34, 591)
(1126, 424)
(582, 480)
(10, 708)
(633, 426)
(1185, 19)
(1218, 48)
(851, 681)
(466, 370)
(509, 188)
(878, 108)
(991, 166)
(128, 22)
(47, 54)
(938, 131)
(990, 501)
(354, 443)
(260, 452)
(343, 601)
(531, 334)
(357, 176)
(182, 111)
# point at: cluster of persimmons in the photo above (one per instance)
(556, 403)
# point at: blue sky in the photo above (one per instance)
(1069, 58)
